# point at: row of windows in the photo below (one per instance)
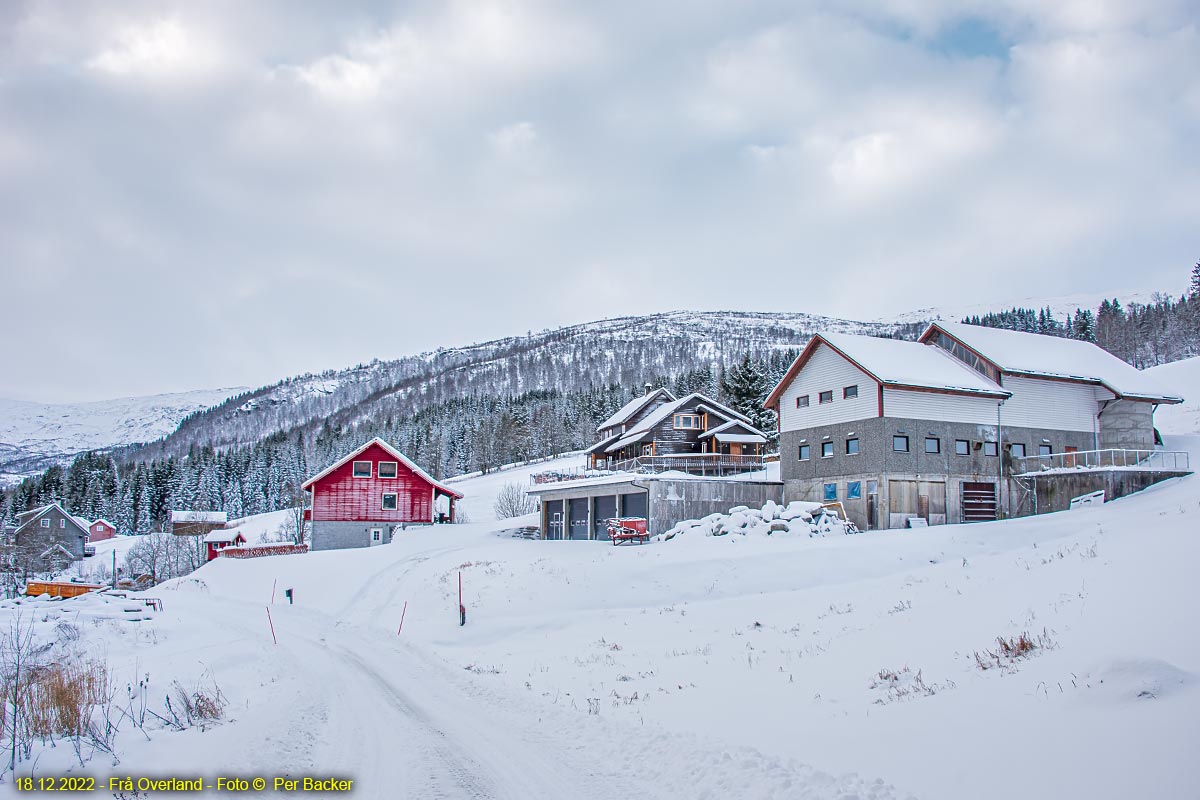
(933, 445)
(45, 522)
(853, 491)
(848, 393)
(387, 469)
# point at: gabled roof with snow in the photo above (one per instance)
(103, 521)
(224, 535)
(897, 363)
(205, 517)
(728, 427)
(740, 438)
(27, 518)
(1033, 354)
(603, 443)
(625, 412)
(640, 431)
(422, 474)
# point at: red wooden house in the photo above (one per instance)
(100, 530)
(360, 500)
(218, 540)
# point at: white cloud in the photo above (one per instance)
(158, 49)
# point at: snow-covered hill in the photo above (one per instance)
(35, 435)
(1184, 378)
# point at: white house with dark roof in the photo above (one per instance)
(932, 429)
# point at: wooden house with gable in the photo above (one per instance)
(662, 430)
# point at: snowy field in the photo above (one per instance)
(861, 666)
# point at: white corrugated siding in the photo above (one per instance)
(907, 404)
(827, 371)
(1057, 405)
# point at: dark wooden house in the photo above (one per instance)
(49, 537)
(660, 425)
(197, 523)
(361, 500)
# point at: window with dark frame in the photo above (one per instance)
(989, 449)
(802, 401)
(933, 445)
(1018, 450)
(852, 447)
(389, 501)
(900, 444)
(362, 469)
(826, 449)
(962, 447)
(804, 451)
(388, 469)
(1045, 450)
(850, 392)
(825, 397)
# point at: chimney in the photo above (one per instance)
(649, 387)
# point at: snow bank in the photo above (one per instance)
(797, 518)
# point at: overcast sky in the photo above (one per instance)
(222, 193)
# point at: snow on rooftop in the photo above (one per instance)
(1015, 351)
(911, 363)
(209, 517)
(629, 409)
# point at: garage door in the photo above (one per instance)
(578, 517)
(606, 508)
(553, 516)
(634, 505)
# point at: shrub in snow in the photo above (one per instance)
(513, 502)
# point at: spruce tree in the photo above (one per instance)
(745, 388)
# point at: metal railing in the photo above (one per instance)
(571, 474)
(717, 464)
(1154, 460)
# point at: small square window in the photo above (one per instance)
(900, 444)
(825, 397)
(362, 469)
(389, 501)
(802, 401)
(387, 469)
(989, 449)
(826, 449)
(376, 535)
(933, 444)
(852, 447)
(648, 449)
(1018, 450)
(850, 392)
(830, 491)
(854, 490)
(804, 450)
(962, 447)
(1045, 450)
(687, 422)
(45, 523)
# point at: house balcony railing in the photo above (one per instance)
(717, 464)
(1150, 460)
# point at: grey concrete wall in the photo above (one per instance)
(672, 502)
(1054, 492)
(328, 535)
(1127, 424)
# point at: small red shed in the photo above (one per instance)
(218, 540)
(362, 498)
(100, 530)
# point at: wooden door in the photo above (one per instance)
(1069, 460)
(735, 448)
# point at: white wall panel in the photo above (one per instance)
(826, 370)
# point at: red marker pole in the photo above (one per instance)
(272, 624)
(273, 585)
(403, 611)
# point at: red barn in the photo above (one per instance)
(360, 500)
(100, 530)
